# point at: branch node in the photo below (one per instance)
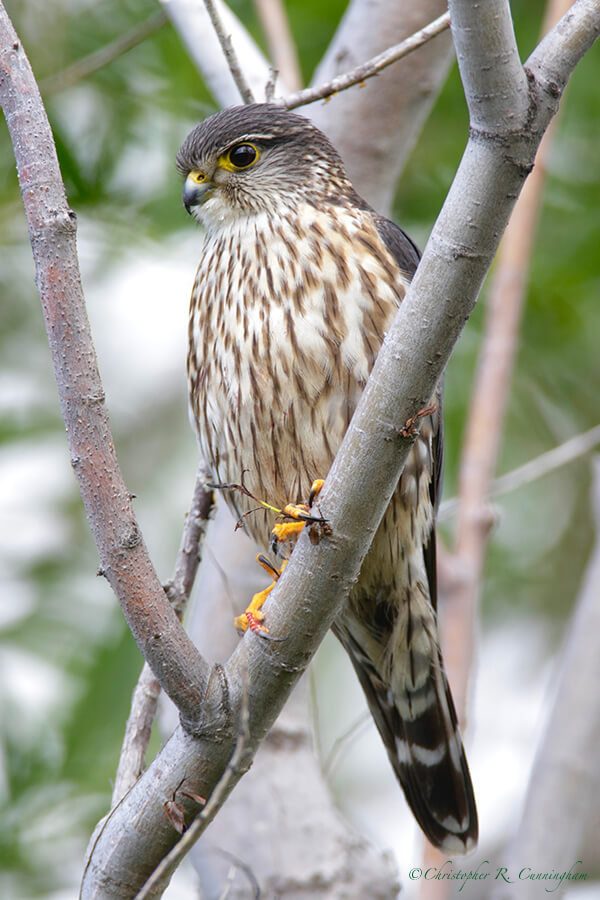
(175, 597)
(130, 538)
(214, 720)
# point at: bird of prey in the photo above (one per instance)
(298, 281)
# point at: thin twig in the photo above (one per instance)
(147, 691)
(283, 52)
(531, 471)
(369, 68)
(239, 866)
(230, 54)
(163, 872)
(344, 741)
(104, 56)
(190, 549)
(138, 729)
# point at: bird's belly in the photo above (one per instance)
(275, 442)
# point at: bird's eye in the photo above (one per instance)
(243, 156)
(197, 177)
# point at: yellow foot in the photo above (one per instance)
(315, 490)
(301, 514)
(253, 617)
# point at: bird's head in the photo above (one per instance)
(257, 158)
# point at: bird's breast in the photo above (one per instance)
(286, 318)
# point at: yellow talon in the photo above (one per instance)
(296, 511)
(315, 490)
(283, 530)
(253, 616)
(302, 510)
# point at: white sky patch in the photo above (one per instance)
(32, 685)
(34, 477)
(139, 319)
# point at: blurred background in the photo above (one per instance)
(67, 661)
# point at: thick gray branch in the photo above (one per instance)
(555, 57)
(495, 83)
(308, 595)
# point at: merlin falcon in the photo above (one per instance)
(298, 281)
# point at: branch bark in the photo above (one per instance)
(228, 52)
(298, 852)
(147, 691)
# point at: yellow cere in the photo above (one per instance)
(197, 177)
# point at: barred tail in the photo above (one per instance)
(417, 721)
(427, 754)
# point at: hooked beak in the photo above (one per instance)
(195, 194)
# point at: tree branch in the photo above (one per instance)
(310, 591)
(123, 556)
(147, 691)
(162, 874)
(371, 67)
(555, 57)
(495, 84)
(229, 53)
(192, 22)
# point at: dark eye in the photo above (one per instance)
(243, 156)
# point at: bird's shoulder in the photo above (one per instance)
(398, 243)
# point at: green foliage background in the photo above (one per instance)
(59, 625)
